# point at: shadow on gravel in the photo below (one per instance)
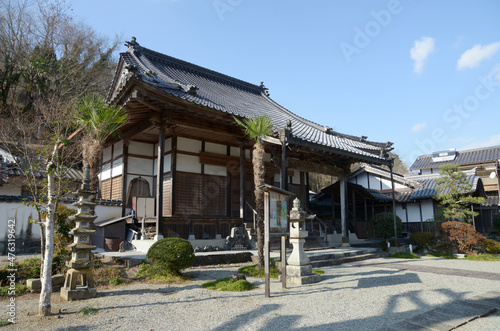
(75, 328)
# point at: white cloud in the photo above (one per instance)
(418, 127)
(471, 58)
(493, 140)
(420, 52)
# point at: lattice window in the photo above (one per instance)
(188, 194)
(116, 188)
(106, 189)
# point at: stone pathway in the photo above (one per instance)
(452, 315)
(435, 270)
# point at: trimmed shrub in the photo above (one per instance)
(172, 254)
(423, 239)
(383, 224)
(491, 246)
(461, 236)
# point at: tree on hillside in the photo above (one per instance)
(257, 128)
(47, 63)
(453, 193)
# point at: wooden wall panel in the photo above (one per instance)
(188, 193)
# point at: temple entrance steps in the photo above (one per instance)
(331, 257)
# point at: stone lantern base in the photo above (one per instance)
(300, 275)
(78, 293)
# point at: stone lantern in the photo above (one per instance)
(299, 269)
(79, 282)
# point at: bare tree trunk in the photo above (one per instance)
(44, 307)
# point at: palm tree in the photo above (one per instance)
(98, 122)
(257, 128)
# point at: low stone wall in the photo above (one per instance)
(224, 258)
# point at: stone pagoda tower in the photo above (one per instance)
(79, 282)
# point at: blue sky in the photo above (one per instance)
(423, 74)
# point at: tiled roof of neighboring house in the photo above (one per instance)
(472, 156)
(8, 167)
(425, 185)
(492, 200)
(211, 89)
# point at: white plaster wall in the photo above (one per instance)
(296, 177)
(107, 212)
(215, 170)
(21, 214)
(106, 154)
(10, 189)
(427, 210)
(139, 148)
(277, 178)
(413, 212)
(106, 172)
(363, 179)
(140, 166)
(188, 163)
(427, 171)
(400, 212)
(118, 148)
(386, 183)
(234, 151)
(374, 182)
(168, 144)
(188, 145)
(215, 148)
(167, 164)
(117, 169)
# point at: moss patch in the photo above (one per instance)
(405, 255)
(483, 257)
(252, 271)
(229, 284)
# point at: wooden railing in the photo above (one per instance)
(322, 226)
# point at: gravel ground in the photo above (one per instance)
(349, 297)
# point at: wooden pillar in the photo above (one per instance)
(343, 211)
(302, 188)
(173, 174)
(159, 183)
(242, 182)
(307, 190)
(284, 162)
(124, 176)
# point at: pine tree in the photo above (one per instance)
(453, 193)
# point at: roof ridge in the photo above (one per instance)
(466, 150)
(195, 68)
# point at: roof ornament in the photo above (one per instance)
(264, 88)
(363, 138)
(132, 43)
(190, 89)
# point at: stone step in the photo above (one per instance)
(344, 259)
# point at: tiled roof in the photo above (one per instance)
(425, 185)
(233, 96)
(471, 156)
